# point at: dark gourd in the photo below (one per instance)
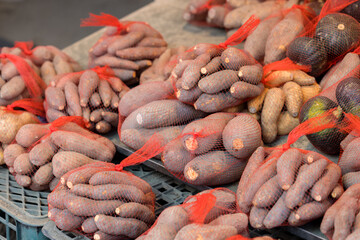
(308, 51)
(339, 32)
(348, 95)
(353, 10)
(328, 140)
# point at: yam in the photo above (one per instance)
(233, 59)
(89, 226)
(286, 123)
(175, 157)
(139, 53)
(278, 213)
(72, 98)
(125, 41)
(64, 161)
(244, 90)
(268, 194)
(66, 221)
(278, 78)
(218, 81)
(323, 188)
(12, 88)
(88, 83)
(287, 167)
(11, 152)
(195, 231)
(255, 104)
(192, 73)
(42, 153)
(137, 211)
(43, 175)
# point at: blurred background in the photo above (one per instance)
(55, 22)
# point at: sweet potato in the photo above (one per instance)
(344, 219)
(218, 81)
(308, 175)
(58, 198)
(152, 42)
(89, 226)
(8, 71)
(103, 127)
(175, 216)
(69, 141)
(11, 152)
(251, 73)
(278, 78)
(337, 191)
(213, 66)
(65, 161)
(109, 60)
(260, 176)
(206, 169)
(125, 41)
(293, 98)
(202, 48)
(143, 27)
(43, 175)
(22, 164)
(60, 81)
(100, 48)
(323, 188)
(162, 113)
(255, 104)
(348, 139)
(112, 177)
(244, 90)
(257, 216)
(42, 153)
(255, 43)
(234, 18)
(237, 220)
(23, 180)
(311, 157)
(115, 101)
(216, 102)
(88, 83)
(53, 114)
(241, 136)
(268, 193)
(189, 96)
(202, 135)
(53, 212)
(143, 94)
(180, 68)
(66, 221)
(282, 34)
(350, 179)
(216, 15)
(302, 78)
(195, 231)
(175, 157)
(278, 213)
(137, 211)
(313, 210)
(131, 228)
(72, 98)
(139, 53)
(191, 74)
(287, 167)
(110, 117)
(233, 58)
(273, 104)
(12, 88)
(105, 92)
(262, 11)
(161, 231)
(53, 183)
(109, 191)
(47, 72)
(95, 116)
(41, 54)
(55, 97)
(81, 176)
(348, 161)
(286, 123)
(61, 65)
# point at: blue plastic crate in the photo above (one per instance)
(23, 212)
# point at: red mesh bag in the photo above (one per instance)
(47, 61)
(93, 94)
(287, 186)
(103, 200)
(341, 220)
(42, 153)
(14, 116)
(213, 150)
(240, 237)
(127, 47)
(207, 215)
(18, 80)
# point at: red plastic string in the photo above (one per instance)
(352, 123)
(238, 237)
(357, 50)
(282, 65)
(104, 72)
(209, 4)
(25, 47)
(103, 20)
(242, 33)
(34, 106)
(200, 208)
(33, 82)
(312, 125)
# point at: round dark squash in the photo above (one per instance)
(353, 10)
(328, 140)
(310, 52)
(348, 95)
(339, 32)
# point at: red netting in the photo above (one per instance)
(42, 153)
(210, 213)
(34, 106)
(93, 94)
(240, 237)
(127, 47)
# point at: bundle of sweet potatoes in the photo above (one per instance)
(88, 94)
(289, 187)
(213, 150)
(214, 78)
(127, 47)
(217, 219)
(102, 203)
(43, 153)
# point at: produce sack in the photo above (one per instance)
(16, 115)
(341, 220)
(93, 94)
(127, 47)
(104, 201)
(47, 61)
(210, 214)
(288, 186)
(162, 67)
(18, 80)
(213, 150)
(240, 237)
(216, 77)
(327, 39)
(332, 105)
(42, 153)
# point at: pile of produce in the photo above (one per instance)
(93, 94)
(43, 153)
(290, 187)
(213, 150)
(208, 214)
(127, 47)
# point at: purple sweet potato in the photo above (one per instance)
(65, 161)
(12, 88)
(55, 98)
(137, 211)
(175, 157)
(88, 83)
(287, 167)
(72, 98)
(218, 81)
